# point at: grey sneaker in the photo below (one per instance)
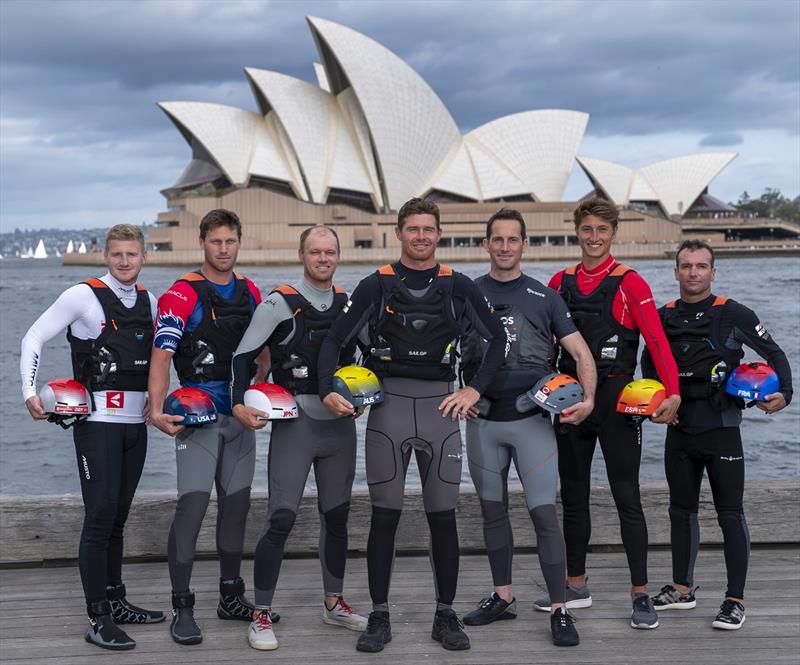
(576, 599)
(644, 613)
(342, 615)
(669, 598)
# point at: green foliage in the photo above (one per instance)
(770, 204)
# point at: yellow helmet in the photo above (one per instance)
(641, 398)
(358, 385)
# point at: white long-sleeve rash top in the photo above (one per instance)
(79, 308)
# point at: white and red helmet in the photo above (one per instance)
(66, 401)
(274, 400)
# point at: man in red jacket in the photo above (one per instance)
(611, 306)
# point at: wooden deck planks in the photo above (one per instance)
(42, 620)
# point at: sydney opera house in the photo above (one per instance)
(351, 149)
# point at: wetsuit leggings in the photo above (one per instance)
(295, 446)
(531, 444)
(221, 454)
(686, 456)
(621, 442)
(408, 420)
(110, 459)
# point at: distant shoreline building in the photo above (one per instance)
(349, 151)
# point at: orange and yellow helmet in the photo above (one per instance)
(641, 397)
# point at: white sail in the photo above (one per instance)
(70, 248)
(58, 254)
(27, 254)
(82, 248)
(41, 252)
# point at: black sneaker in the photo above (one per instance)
(562, 625)
(644, 614)
(125, 612)
(232, 603)
(493, 608)
(730, 615)
(377, 633)
(102, 630)
(669, 598)
(448, 629)
(184, 628)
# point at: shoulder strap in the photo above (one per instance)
(671, 304)
(339, 291)
(571, 270)
(95, 283)
(444, 271)
(719, 301)
(286, 290)
(192, 277)
(620, 270)
(386, 270)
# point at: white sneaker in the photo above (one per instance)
(260, 635)
(342, 615)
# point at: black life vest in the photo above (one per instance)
(698, 350)
(530, 354)
(118, 358)
(205, 353)
(613, 346)
(416, 332)
(294, 345)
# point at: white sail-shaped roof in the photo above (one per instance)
(538, 146)
(681, 180)
(614, 179)
(226, 132)
(411, 128)
(494, 178)
(458, 176)
(674, 183)
(312, 120)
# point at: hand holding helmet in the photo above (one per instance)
(62, 401)
(185, 407)
(643, 398)
(354, 388)
(759, 383)
(264, 402)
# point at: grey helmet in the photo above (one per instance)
(553, 392)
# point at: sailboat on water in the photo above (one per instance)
(82, 248)
(27, 254)
(70, 248)
(41, 252)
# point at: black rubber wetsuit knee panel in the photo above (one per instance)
(280, 526)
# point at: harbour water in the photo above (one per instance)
(39, 458)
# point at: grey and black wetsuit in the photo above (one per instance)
(293, 321)
(533, 316)
(410, 321)
(703, 336)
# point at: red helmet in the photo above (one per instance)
(66, 401)
(195, 405)
(274, 400)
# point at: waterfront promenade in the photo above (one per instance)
(42, 616)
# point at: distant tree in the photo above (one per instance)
(771, 204)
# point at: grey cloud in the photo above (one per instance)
(728, 139)
(87, 75)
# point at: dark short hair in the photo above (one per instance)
(220, 217)
(507, 213)
(417, 206)
(693, 245)
(597, 207)
(304, 236)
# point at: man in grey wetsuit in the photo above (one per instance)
(201, 319)
(410, 315)
(293, 321)
(533, 316)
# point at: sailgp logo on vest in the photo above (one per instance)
(86, 473)
(416, 352)
(731, 458)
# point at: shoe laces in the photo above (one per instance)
(452, 621)
(641, 603)
(262, 620)
(343, 606)
(487, 602)
(564, 618)
(730, 606)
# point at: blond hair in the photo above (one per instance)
(125, 232)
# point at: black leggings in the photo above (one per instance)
(110, 460)
(621, 442)
(686, 456)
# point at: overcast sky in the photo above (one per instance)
(82, 143)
